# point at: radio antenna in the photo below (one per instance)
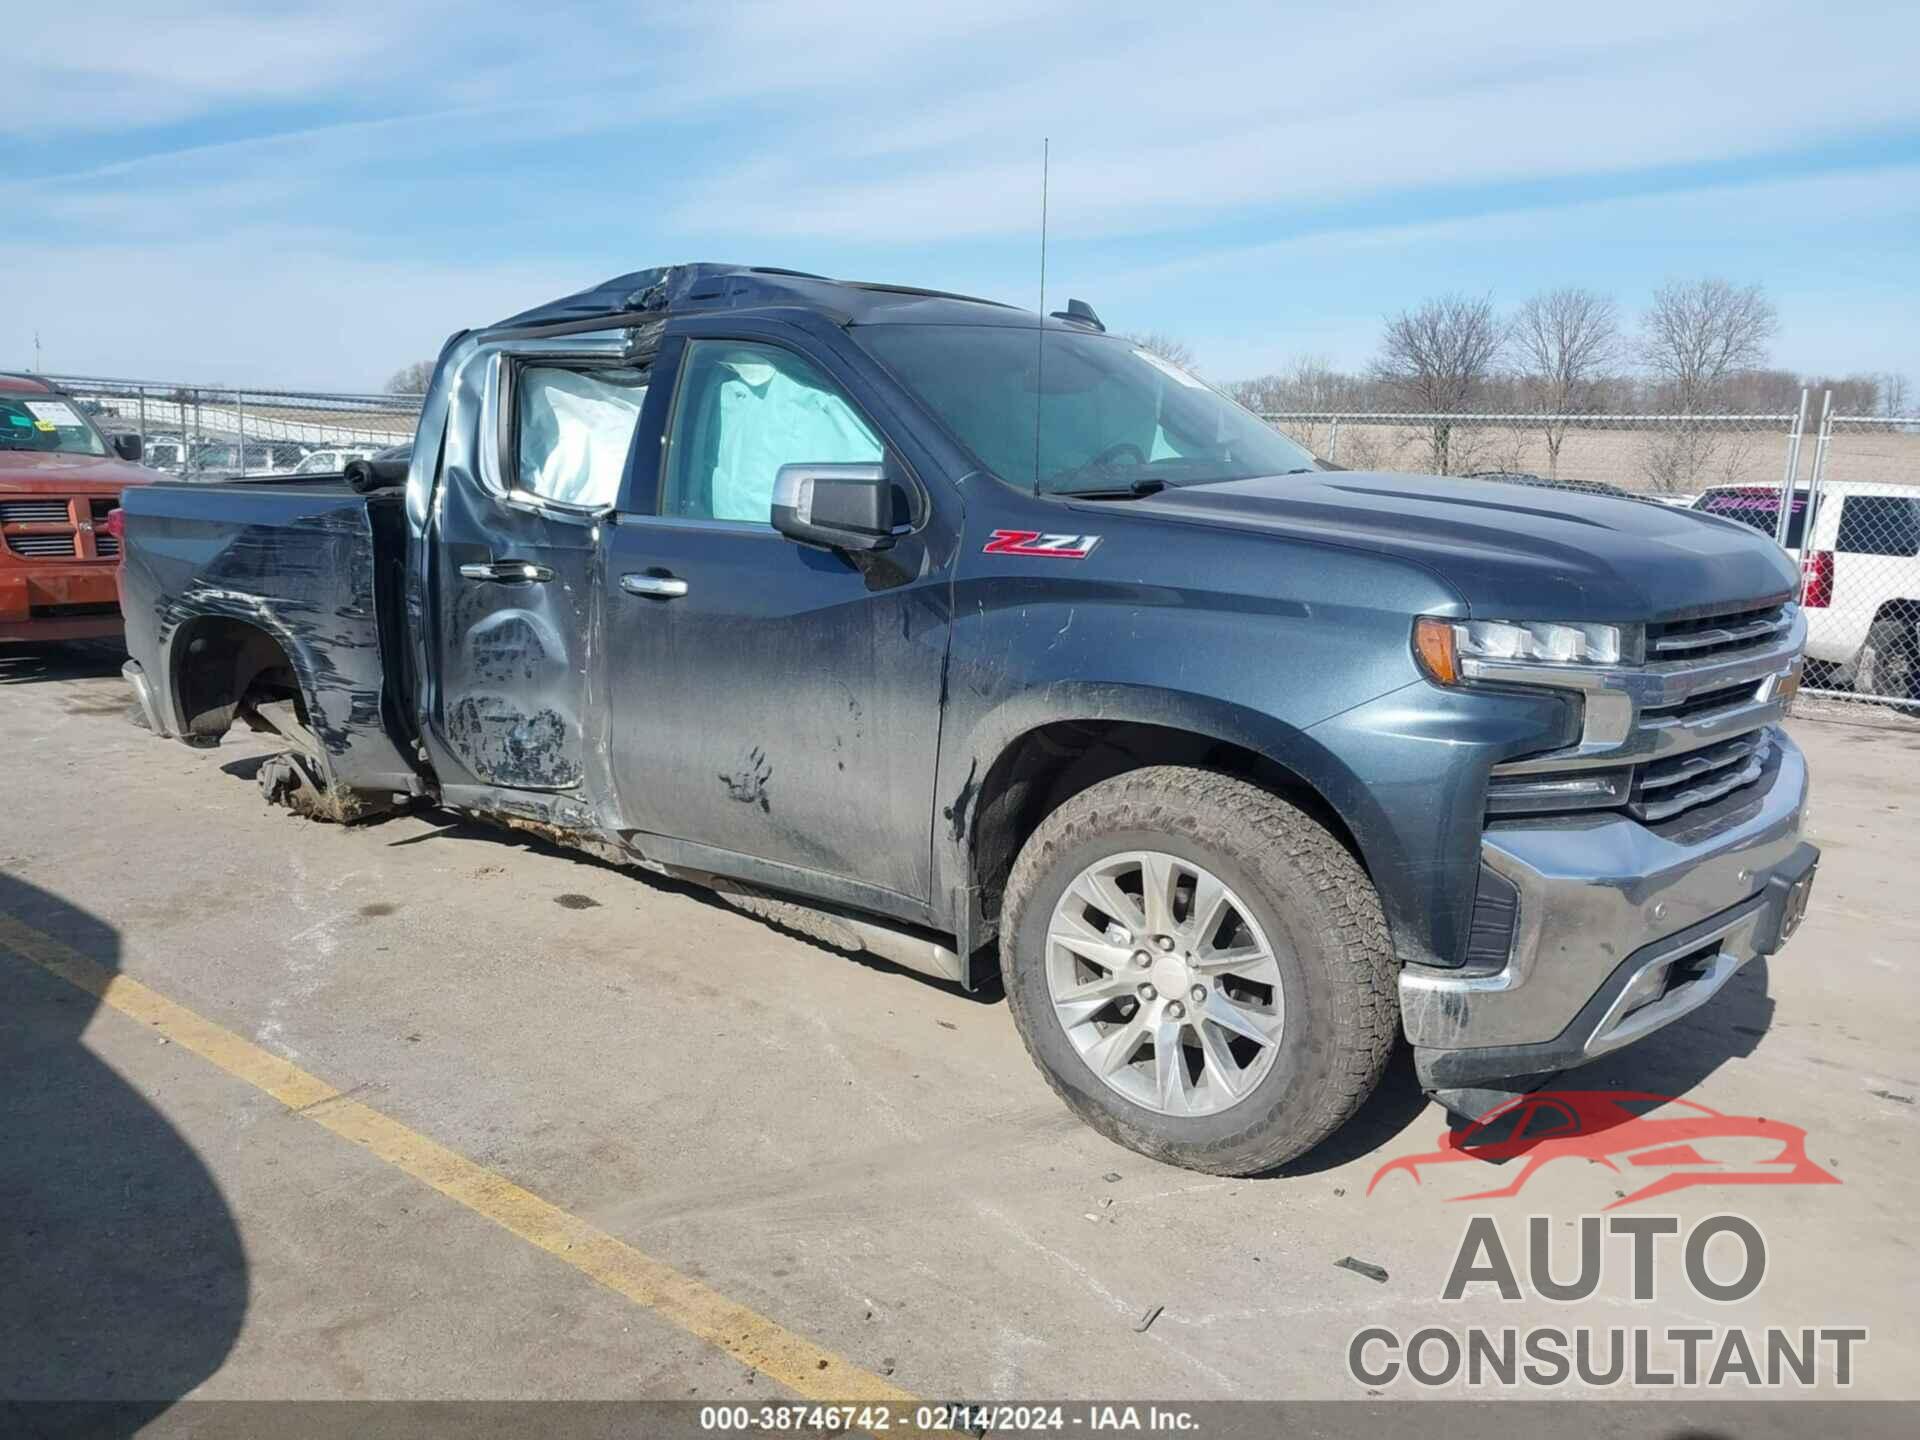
(1040, 348)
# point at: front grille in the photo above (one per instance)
(1714, 635)
(42, 547)
(28, 526)
(1683, 734)
(34, 512)
(1705, 703)
(1665, 788)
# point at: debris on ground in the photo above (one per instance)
(1362, 1267)
(1889, 1095)
(1112, 1177)
(1147, 1319)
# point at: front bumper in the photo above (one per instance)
(1622, 929)
(52, 601)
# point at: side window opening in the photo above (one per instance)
(1879, 525)
(743, 411)
(572, 431)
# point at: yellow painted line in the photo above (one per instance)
(794, 1361)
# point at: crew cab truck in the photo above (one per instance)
(60, 478)
(922, 624)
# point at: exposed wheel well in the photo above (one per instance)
(222, 665)
(1048, 766)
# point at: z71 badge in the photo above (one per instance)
(1047, 547)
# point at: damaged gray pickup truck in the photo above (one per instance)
(916, 623)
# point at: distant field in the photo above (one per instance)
(1624, 456)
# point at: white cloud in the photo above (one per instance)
(280, 159)
(273, 308)
(117, 63)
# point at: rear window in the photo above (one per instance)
(1758, 508)
(1879, 525)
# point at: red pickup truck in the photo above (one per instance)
(59, 479)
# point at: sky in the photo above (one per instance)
(315, 194)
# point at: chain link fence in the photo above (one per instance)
(1666, 457)
(1851, 485)
(1852, 482)
(207, 432)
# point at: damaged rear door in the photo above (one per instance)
(517, 529)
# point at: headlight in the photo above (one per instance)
(1443, 645)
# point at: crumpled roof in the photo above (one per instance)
(660, 288)
(706, 285)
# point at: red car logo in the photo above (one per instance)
(1032, 542)
(1614, 1128)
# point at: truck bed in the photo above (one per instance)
(303, 561)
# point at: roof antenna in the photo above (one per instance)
(1040, 356)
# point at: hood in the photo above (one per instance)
(24, 472)
(1514, 552)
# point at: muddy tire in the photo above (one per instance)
(1204, 1090)
(1890, 663)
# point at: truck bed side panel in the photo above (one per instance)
(299, 562)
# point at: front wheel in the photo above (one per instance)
(1200, 970)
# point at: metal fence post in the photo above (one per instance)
(1793, 470)
(1819, 472)
(240, 413)
(143, 417)
(1333, 443)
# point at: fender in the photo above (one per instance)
(1387, 769)
(965, 765)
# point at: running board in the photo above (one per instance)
(909, 948)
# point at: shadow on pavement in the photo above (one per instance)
(34, 663)
(122, 1275)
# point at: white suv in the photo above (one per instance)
(1860, 573)
(331, 462)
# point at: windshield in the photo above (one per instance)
(1110, 416)
(46, 423)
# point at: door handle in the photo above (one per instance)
(507, 572)
(662, 587)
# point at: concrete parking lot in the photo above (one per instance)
(859, 1160)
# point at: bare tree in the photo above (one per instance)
(1694, 339)
(411, 379)
(1697, 334)
(1436, 358)
(1564, 342)
(1169, 348)
(1895, 394)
